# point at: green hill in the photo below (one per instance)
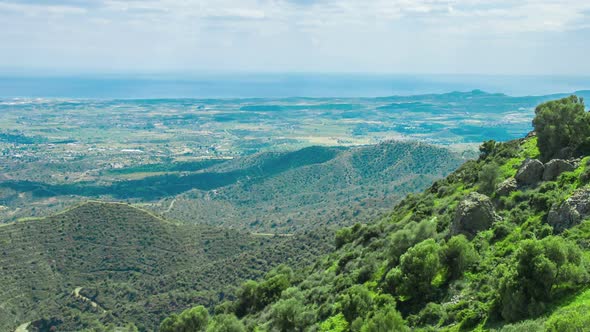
(272, 191)
(109, 263)
(501, 244)
(313, 187)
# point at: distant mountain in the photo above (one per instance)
(101, 263)
(315, 186)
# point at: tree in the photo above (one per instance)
(487, 148)
(356, 302)
(385, 320)
(247, 298)
(226, 323)
(290, 315)
(191, 320)
(561, 124)
(488, 178)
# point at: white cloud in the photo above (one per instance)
(306, 35)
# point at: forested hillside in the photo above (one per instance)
(315, 186)
(502, 244)
(101, 264)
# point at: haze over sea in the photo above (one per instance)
(277, 85)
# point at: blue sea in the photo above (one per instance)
(278, 85)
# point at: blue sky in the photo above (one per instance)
(395, 36)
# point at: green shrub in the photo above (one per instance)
(574, 319)
(459, 255)
(541, 267)
(417, 270)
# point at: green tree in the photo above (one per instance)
(290, 315)
(488, 178)
(385, 320)
(225, 323)
(247, 298)
(559, 124)
(487, 148)
(355, 302)
(191, 320)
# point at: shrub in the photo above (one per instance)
(459, 254)
(572, 319)
(418, 267)
(540, 267)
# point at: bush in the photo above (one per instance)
(417, 269)
(459, 254)
(541, 266)
(572, 319)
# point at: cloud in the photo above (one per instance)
(302, 35)
(36, 9)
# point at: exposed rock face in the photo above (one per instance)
(555, 167)
(530, 172)
(571, 211)
(475, 213)
(506, 187)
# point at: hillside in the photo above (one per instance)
(315, 186)
(110, 263)
(267, 192)
(501, 244)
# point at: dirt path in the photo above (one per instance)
(77, 295)
(271, 234)
(171, 206)
(23, 327)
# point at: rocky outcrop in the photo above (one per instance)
(474, 214)
(506, 187)
(530, 172)
(555, 167)
(571, 211)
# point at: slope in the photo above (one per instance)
(501, 244)
(313, 187)
(101, 263)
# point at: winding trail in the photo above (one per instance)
(77, 295)
(23, 327)
(171, 206)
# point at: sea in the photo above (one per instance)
(277, 85)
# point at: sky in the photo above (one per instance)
(508, 37)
